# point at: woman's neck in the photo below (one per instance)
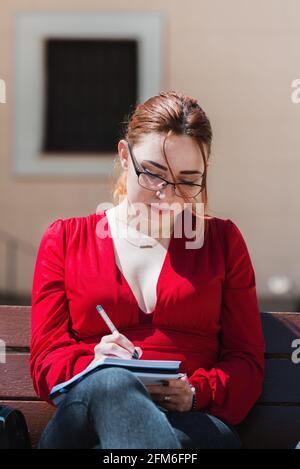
(145, 221)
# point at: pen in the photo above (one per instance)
(112, 327)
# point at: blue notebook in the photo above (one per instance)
(148, 371)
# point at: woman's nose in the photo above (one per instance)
(163, 188)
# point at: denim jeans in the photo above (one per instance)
(112, 408)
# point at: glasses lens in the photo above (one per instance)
(151, 182)
(154, 183)
(187, 190)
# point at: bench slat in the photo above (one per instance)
(271, 427)
(280, 329)
(15, 325)
(266, 427)
(282, 379)
(282, 382)
(15, 376)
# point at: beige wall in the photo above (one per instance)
(239, 59)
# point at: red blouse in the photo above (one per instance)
(206, 313)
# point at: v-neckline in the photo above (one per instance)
(161, 275)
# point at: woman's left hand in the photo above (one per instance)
(177, 390)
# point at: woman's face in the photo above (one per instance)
(184, 157)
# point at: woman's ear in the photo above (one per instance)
(123, 153)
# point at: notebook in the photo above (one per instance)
(148, 371)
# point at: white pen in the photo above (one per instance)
(112, 327)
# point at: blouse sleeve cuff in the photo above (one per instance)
(203, 392)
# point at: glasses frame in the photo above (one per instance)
(138, 172)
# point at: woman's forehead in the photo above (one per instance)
(182, 149)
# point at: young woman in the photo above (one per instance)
(168, 299)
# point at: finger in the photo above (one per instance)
(119, 339)
(169, 405)
(114, 349)
(124, 342)
(175, 383)
(160, 390)
(140, 351)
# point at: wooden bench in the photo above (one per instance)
(274, 422)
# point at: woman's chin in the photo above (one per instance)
(158, 209)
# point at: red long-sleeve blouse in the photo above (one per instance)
(206, 313)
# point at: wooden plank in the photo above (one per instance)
(15, 379)
(282, 379)
(282, 382)
(266, 427)
(15, 325)
(280, 329)
(37, 415)
(270, 427)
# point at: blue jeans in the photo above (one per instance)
(112, 408)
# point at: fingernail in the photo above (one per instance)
(135, 354)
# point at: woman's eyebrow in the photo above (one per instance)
(187, 171)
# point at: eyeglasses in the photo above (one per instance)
(152, 182)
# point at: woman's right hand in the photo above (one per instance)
(115, 345)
